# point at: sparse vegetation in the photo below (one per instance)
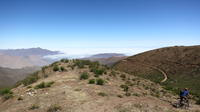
(128, 94)
(62, 68)
(135, 94)
(125, 88)
(7, 96)
(28, 80)
(102, 94)
(34, 106)
(29, 86)
(54, 108)
(44, 85)
(84, 76)
(120, 96)
(64, 60)
(6, 93)
(19, 98)
(113, 73)
(91, 81)
(123, 76)
(98, 71)
(100, 81)
(56, 68)
(44, 68)
(81, 63)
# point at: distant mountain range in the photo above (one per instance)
(28, 52)
(107, 55)
(20, 58)
(107, 58)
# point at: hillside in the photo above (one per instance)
(20, 58)
(83, 86)
(175, 67)
(8, 77)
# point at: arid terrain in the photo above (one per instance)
(83, 86)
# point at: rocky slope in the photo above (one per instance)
(83, 86)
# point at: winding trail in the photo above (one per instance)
(155, 68)
(161, 71)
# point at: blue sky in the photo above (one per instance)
(94, 26)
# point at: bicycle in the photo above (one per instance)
(182, 104)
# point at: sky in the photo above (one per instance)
(99, 26)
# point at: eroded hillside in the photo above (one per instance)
(83, 86)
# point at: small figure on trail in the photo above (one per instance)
(184, 95)
(183, 102)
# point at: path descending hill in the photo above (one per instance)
(181, 65)
(83, 86)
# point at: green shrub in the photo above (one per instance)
(29, 87)
(44, 85)
(20, 98)
(120, 96)
(123, 76)
(113, 73)
(100, 81)
(56, 68)
(33, 107)
(128, 94)
(125, 88)
(54, 64)
(41, 85)
(97, 71)
(91, 81)
(5, 91)
(102, 94)
(54, 108)
(135, 94)
(81, 63)
(7, 96)
(29, 80)
(84, 76)
(48, 84)
(62, 60)
(62, 68)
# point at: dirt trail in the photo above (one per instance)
(158, 69)
(161, 71)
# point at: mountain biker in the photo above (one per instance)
(184, 95)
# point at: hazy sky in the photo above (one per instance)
(92, 26)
